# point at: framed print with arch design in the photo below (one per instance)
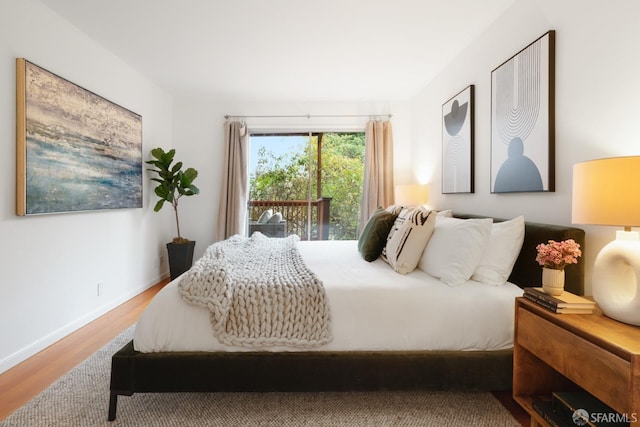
(457, 143)
(523, 120)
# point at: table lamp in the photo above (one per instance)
(411, 195)
(607, 192)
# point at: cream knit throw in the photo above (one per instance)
(260, 293)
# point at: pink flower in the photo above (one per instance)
(557, 255)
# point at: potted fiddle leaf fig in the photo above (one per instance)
(173, 183)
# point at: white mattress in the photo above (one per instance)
(372, 308)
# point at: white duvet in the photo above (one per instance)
(372, 308)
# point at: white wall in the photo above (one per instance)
(597, 92)
(51, 264)
(198, 124)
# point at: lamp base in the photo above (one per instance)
(616, 278)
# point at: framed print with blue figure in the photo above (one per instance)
(522, 120)
(457, 143)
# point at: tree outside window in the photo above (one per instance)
(309, 167)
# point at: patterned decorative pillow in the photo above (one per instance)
(374, 236)
(407, 238)
(395, 209)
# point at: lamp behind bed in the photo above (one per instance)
(411, 194)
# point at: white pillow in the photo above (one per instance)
(275, 218)
(266, 215)
(455, 248)
(446, 213)
(408, 236)
(502, 251)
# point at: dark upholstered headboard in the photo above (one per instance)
(527, 272)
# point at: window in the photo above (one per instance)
(313, 179)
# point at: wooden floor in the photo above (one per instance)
(21, 383)
(24, 381)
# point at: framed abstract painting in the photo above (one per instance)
(457, 143)
(76, 151)
(523, 120)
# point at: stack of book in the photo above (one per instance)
(544, 407)
(579, 408)
(567, 302)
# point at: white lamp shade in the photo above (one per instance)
(607, 192)
(411, 195)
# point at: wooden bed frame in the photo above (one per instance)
(135, 372)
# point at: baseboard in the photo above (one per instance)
(44, 342)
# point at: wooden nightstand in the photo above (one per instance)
(558, 352)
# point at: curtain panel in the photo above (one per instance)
(232, 213)
(377, 186)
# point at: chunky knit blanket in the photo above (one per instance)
(260, 293)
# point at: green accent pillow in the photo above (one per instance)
(374, 236)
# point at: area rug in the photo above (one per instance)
(81, 397)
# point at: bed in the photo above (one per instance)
(171, 355)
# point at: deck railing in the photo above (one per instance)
(309, 219)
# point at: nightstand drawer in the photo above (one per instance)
(582, 361)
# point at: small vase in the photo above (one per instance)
(552, 281)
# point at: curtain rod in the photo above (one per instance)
(307, 116)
